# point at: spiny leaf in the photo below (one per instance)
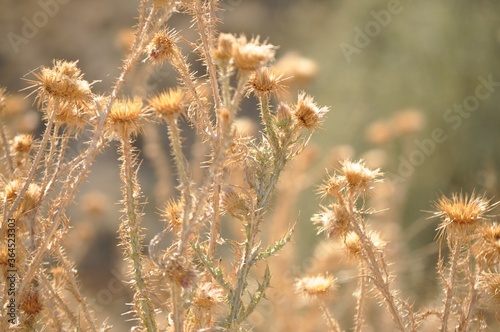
(277, 246)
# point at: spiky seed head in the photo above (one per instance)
(486, 247)
(251, 55)
(22, 144)
(31, 303)
(125, 117)
(333, 186)
(162, 46)
(63, 82)
(284, 114)
(333, 221)
(169, 104)
(266, 81)
(307, 113)
(461, 213)
(178, 270)
(29, 200)
(223, 52)
(316, 287)
(489, 285)
(173, 215)
(359, 178)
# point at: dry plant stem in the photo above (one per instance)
(132, 228)
(268, 122)
(90, 154)
(54, 295)
(450, 284)
(360, 299)
(382, 282)
(36, 162)
(177, 307)
(5, 144)
(206, 33)
(332, 323)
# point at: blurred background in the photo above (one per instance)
(413, 86)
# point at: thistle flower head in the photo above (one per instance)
(333, 221)
(29, 200)
(169, 104)
(317, 287)
(307, 113)
(266, 81)
(162, 46)
(486, 247)
(358, 177)
(63, 82)
(461, 212)
(173, 215)
(234, 204)
(251, 55)
(178, 270)
(125, 117)
(333, 186)
(223, 52)
(489, 285)
(22, 144)
(31, 303)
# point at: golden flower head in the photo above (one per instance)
(223, 52)
(307, 113)
(317, 287)
(30, 198)
(251, 55)
(31, 303)
(162, 47)
(22, 144)
(266, 81)
(173, 214)
(333, 221)
(169, 104)
(358, 177)
(461, 212)
(63, 82)
(489, 285)
(333, 186)
(178, 270)
(125, 117)
(486, 248)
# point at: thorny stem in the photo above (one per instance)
(5, 144)
(450, 284)
(131, 226)
(90, 154)
(376, 266)
(177, 306)
(34, 166)
(360, 299)
(268, 122)
(333, 325)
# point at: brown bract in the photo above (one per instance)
(126, 117)
(308, 114)
(169, 104)
(251, 55)
(316, 287)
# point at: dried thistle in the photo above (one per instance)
(317, 287)
(308, 114)
(169, 104)
(251, 55)
(126, 117)
(162, 46)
